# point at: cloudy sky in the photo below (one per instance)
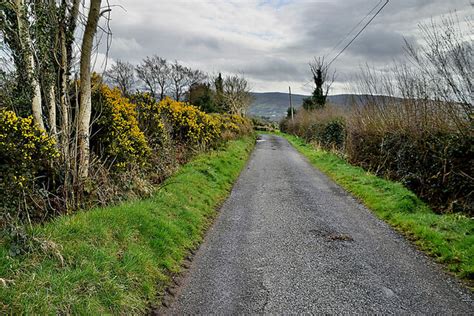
(270, 41)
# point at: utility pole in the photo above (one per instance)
(291, 105)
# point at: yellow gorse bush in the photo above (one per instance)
(26, 152)
(185, 123)
(128, 134)
(189, 124)
(118, 130)
(128, 128)
(234, 125)
(150, 119)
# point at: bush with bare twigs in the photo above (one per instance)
(325, 126)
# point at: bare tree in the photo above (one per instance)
(237, 97)
(432, 90)
(194, 77)
(40, 36)
(179, 79)
(446, 59)
(84, 117)
(67, 26)
(155, 73)
(122, 75)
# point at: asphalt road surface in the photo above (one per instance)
(289, 241)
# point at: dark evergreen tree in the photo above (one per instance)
(308, 103)
(319, 96)
(319, 70)
(219, 95)
(201, 95)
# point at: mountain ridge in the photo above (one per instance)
(273, 105)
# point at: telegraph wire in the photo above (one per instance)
(357, 35)
(354, 28)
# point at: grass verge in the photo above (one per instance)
(447, 237)
(116, 259)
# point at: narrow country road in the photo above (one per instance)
(289, 240)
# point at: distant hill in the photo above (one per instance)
(273, 105)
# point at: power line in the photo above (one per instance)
(358, 33)
(354, 28)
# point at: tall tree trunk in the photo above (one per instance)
(64, 99)
(67, 26)
(52, 113)
(25, 42)
(84, 118)
(162, 94)
(36, 103)
(177, 94)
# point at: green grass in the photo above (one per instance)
(448, 237)
(116, 259)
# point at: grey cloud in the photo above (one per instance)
(271, 69)
(304, 29)
(209, 44)
(379, 45)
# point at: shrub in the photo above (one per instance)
(26, 158)
(174, 129)
(260, 123)
(188, 124)
(233, 126)
(325, 126)
(289, 111)
(119, 137)
(150, 120)
(332, 133)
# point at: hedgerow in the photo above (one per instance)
(421, 150)
(136, 142)
(327, 127)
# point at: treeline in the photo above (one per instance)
(161, 78)
(70, 141)
(416, 124)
